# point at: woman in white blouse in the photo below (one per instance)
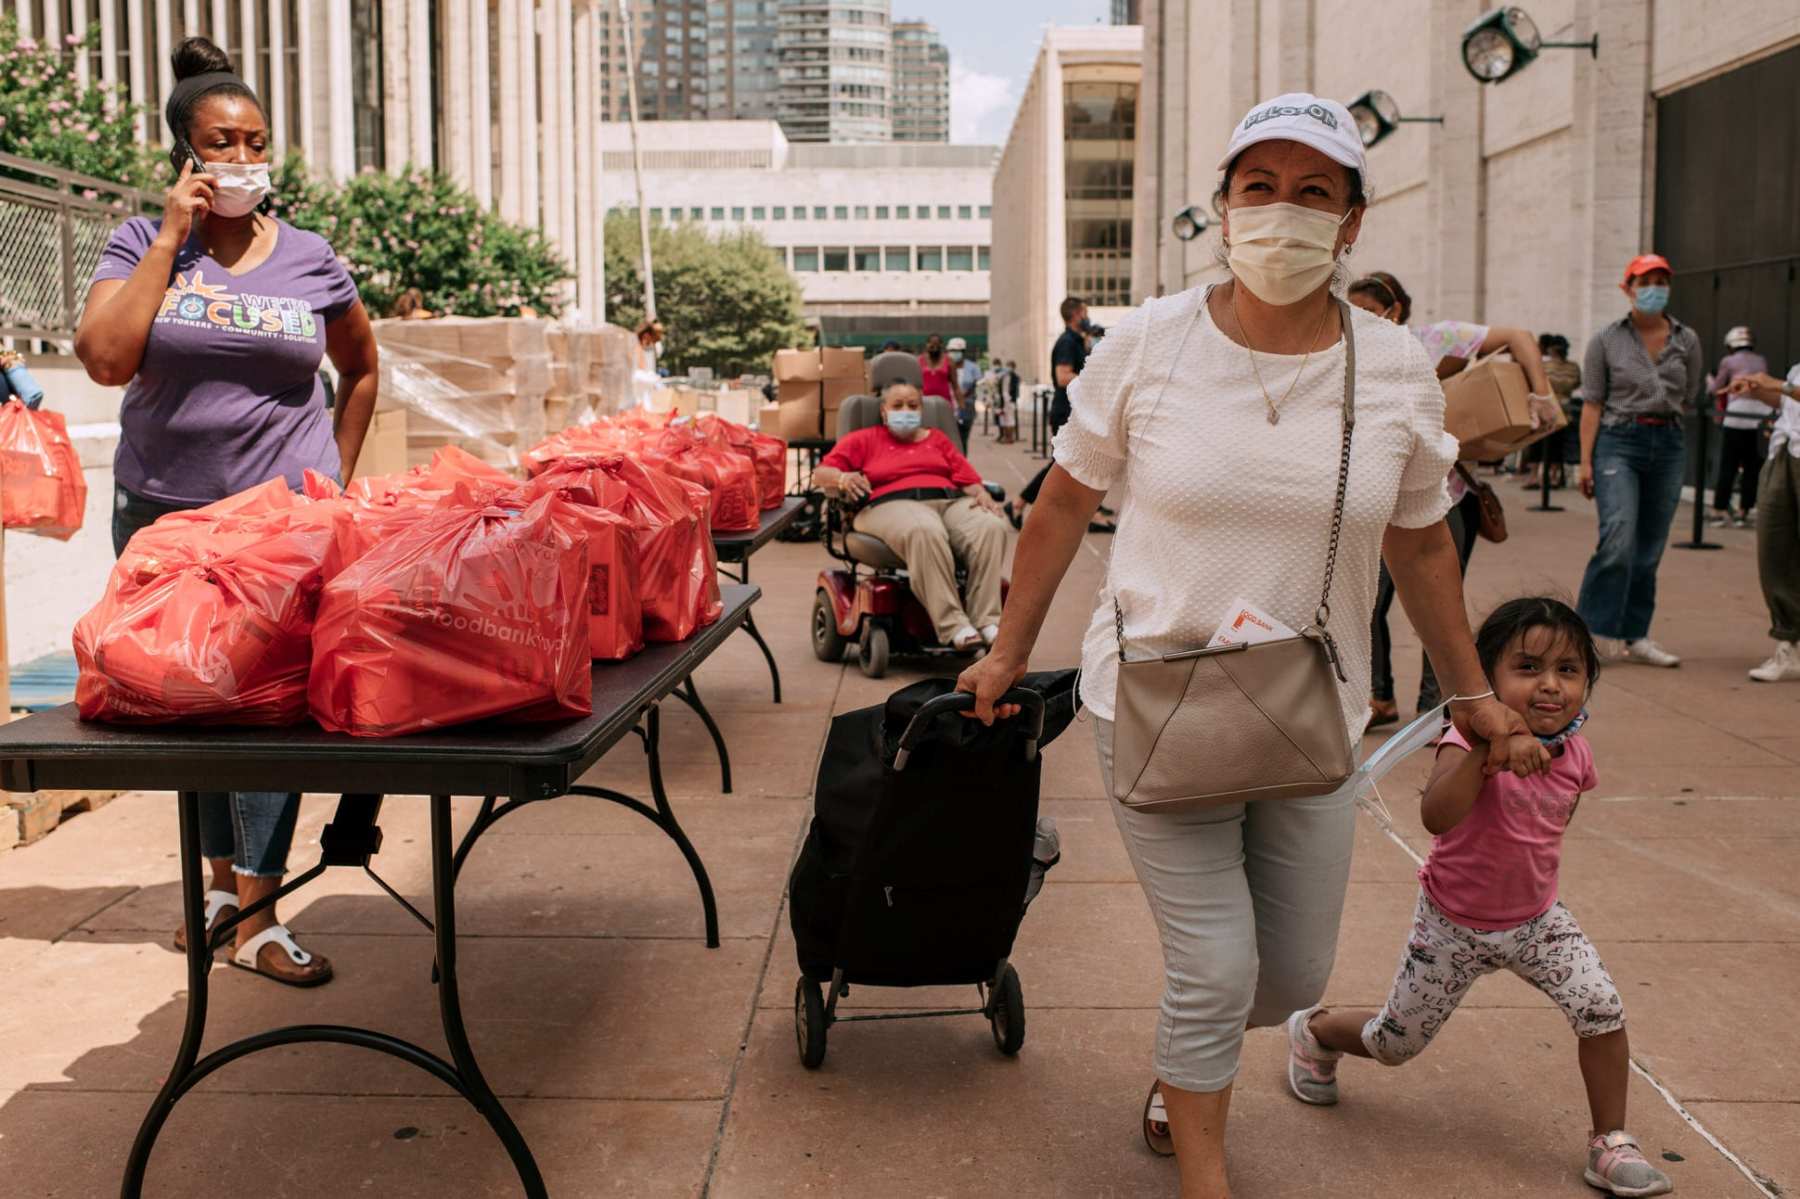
(1228, 472)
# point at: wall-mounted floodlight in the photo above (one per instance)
(1506, 41)
(1190, 223)
(1377, 115)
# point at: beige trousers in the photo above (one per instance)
(930, 535)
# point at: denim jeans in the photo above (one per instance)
(254, 829)
(1637, 487)
(1464, 519)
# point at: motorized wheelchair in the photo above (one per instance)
(869, 602)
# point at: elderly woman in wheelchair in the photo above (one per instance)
(927, 503)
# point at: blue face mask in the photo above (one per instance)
(1651, 298)
(902, 421)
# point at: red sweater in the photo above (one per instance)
(894, 465)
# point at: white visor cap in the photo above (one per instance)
(1325, 125)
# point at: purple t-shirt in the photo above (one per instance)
(228, 393)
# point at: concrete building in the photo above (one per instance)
(1525, 204)
(503, 95)
(885, 240)
(696, 61)
(836, 75)
(1125, 12)
(1063, 190)
(921, 84)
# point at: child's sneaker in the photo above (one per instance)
(1312, 1068)
(1616, 1165)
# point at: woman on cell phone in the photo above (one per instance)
(214, 320)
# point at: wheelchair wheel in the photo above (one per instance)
(1006, 1014)
(872, 653)
(809, 1022)
(828, 643)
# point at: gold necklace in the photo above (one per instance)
(1274, 406)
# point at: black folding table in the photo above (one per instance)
(734, 549)
(512, 764)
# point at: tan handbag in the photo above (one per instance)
(1206, 727)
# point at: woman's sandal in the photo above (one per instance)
(288, 964)
(216, 904)
(1156, 1123)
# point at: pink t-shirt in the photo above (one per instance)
(1497, 869)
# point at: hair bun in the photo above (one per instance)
(199, 56)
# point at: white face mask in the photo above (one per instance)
(1283, 252)
(242, 186)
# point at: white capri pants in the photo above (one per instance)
(1247, 899)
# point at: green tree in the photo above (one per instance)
(727, 302)
(48, 114)
(420, 229)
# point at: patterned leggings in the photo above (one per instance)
(1442, 958)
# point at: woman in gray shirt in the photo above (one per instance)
(1642, 376)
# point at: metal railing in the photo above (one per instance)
(54, 223)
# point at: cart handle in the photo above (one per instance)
(963, 701)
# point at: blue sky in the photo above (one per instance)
(992, 46)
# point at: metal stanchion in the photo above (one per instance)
(1699, 541)
(1544, 465)
(1040, 422)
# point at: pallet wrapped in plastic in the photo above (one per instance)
(476, 611)
(41, 487)
(208, 616)
(475, 383)
(678, 570)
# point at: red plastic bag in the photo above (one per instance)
(678, 570)
(615, 609)
(41, 488)
(767, 454)
(472, 612)
(208, 621)
(601, 437)
(728, 476)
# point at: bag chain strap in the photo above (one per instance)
(1322, 615)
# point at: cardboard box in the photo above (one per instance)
(384, 446)
(736, 404)
(768, 419)
(836, 391)
(803, 420)
(1487, 410)
(798, 366)
(793, 391)
(844, 364)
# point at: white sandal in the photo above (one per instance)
(249, 954)
(1156, 1123)
(216, 903)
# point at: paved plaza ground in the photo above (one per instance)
(640, 1063)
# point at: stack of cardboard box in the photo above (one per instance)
(478, 383)
(577, 365)
(810, 387)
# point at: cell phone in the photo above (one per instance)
(182, 154)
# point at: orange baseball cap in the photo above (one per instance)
(1643, 264)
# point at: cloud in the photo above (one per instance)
(981, 105)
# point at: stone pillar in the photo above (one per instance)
(419, 66)
(567, 103)
(528, 135)
(1610, 152)
(221, 23)
(1455, 289)
(458, 115)
(135, 16)
(481, 104)
(109, 47)
(1147, 223)
(511, 174)
(396, 86)
(589, 212)
(246, 55)
(78, 27)
(304, 61)
(341, 112)
(275, 12)
(552, 110)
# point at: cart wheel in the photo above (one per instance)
(828, 643)
(809, 1022)
(1006, 1014)
(872, 653)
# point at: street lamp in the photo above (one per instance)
(1377, 115)
(1190, 223)
(1505, 41)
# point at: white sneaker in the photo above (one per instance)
(965, 638)
(1782, 666)
(1648, 653)
(989, 632)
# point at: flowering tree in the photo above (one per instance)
(48, 114)
(419, 229)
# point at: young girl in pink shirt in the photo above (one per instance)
(1488, 895)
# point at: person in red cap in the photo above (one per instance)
(1643, 374)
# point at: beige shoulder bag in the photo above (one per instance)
(1205, 727)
